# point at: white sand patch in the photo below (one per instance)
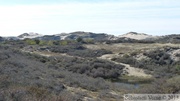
(132, 71)
(137, 36)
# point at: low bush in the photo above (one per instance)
(25, 76)
(159, 61)
(79, 50)
(162, 86)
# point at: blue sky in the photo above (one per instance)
(156, 17)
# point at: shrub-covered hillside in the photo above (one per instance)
(25, 76)
(162, 61)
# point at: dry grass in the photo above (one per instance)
(129, 47)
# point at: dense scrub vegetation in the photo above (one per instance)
(162, 86)
(162, 64)
(159, 61)
(58, 42)
(70, 47)
(25, 76)
(90, 66)
(79, 50)
(21, 77)
(174, 38)
(128, 40)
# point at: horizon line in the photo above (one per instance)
(94, 33)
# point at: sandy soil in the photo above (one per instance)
(137, 37)
(132, 71)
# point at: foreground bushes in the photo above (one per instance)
(25, 76)
(162, 86)
(96, 68)
(91, 67)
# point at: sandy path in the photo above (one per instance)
(132, 71)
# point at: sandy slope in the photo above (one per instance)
(132, 71)
(137, 36)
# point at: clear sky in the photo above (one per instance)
(155, 17)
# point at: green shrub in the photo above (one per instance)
(89, 41)
(64, 42)
(42, 42)
(178, 67)
(79, 39)
(30, 42)
(50, 43)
